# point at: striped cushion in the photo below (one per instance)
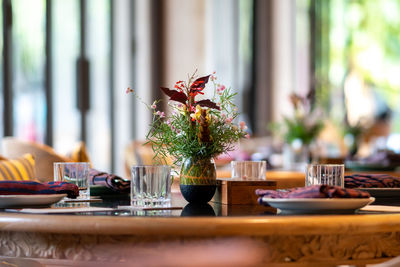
(18, 169)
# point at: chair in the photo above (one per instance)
(45, 156)
(139, 153)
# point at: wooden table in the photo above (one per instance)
(83, 240)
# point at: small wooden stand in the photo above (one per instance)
(240, 192)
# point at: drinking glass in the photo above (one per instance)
(249, 169)
(151, 185)
(75, 173)
(328, 174)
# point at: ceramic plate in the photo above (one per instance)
(7, 201)
(318, 205)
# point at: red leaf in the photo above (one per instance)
(207, 103)
(175, 95)
(200, 83)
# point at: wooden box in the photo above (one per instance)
(240, 192)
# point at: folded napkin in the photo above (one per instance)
(382, 158)
(314, 191)
(111, 181)
(371, 181)
(31, 187)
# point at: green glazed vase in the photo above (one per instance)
(198, 180)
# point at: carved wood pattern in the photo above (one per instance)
(276, 249)
(332, 247)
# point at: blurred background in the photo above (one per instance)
(66, 65)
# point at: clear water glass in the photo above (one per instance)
(249, 169)
(151, 185)
(327, 174)
(75, 173)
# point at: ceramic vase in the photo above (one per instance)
(198, 180)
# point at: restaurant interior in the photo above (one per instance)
(200, 133)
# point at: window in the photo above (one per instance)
(357, 59)
(47, 39)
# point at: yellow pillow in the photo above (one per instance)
(22, 168)
(80, 154)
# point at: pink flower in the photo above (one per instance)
(161, 114)
(247, 136)
(168, 122)
(242, 125)
(229, 120)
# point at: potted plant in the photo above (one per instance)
(195, 132)
(299, 131)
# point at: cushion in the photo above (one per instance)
(44, 156)
(79, 153)
(18, 169)
(139, 153)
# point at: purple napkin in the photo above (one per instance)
(111, 181)
(371, 181)
(33, 188)
(315, 191)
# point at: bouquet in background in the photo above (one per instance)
(304, 125)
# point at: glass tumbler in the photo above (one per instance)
(151, 185)
(76, 173)
(327, 174)
(249, 169)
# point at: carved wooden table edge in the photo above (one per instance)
(276, 239)
(201, 226)
(290, 250)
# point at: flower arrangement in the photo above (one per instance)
(199, 128)
(306, 123)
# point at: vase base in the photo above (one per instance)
(197, 210)
(198, 193)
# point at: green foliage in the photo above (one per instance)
(305, 124)
(297, 128)
(361, 36)
(177, 135)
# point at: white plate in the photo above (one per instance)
(318, 205)
(7, 201)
